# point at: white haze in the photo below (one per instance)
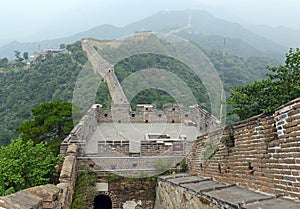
(34, 20)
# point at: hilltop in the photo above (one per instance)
(196, 25)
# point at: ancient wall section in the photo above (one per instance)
(171, 113)
(83, 131)
(261, 153)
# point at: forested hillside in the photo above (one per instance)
(233, 71)
(158, 97)
(281, 86)
(53, 78)
(22, 88)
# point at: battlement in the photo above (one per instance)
(171, 113)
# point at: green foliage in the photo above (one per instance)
(85, 190)
(183, 166)
(210, 150)
(281, 86)
(19, 59)
(77, 53)
(111, 178)
(228, 139)
(3, 62)
(25, 56)
(52, 121)
(3, 191)
(103, 96)
(233, 71)
(158, 97)
(200, 143)
(50, 79)
(152, 96)
(237, 71)
(25, 164)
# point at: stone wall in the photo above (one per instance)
(68, 176)
(260, 153)
(83, 131)
(163, 147)
(171, 113)
(107, 146)
(170, 196)
(133, 193)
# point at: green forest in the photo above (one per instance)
(53, 78)
(233, 71)
(281, 86)
(159, 97)
(23, 88)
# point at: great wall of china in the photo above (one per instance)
(255, 164)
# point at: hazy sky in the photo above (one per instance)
(38, 19)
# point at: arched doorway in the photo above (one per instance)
(102, 201)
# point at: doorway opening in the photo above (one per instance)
(102, 202)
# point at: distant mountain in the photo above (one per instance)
(281, 35)
(200, 26)
(101, 32)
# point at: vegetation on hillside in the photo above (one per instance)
(103, 97)
(31, 159)
(52, 123)
(159, 97)
(22, 88)
(281, 86)
(233, 71)
(53, 78)
(26, 164)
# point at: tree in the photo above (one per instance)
(281, 86)
(52, 79)
(62, 46)
(25, 56)
(18, 56)
(24, 165)
(52, 121)
(3, 62)
(19, 60)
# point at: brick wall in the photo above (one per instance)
(172, 113)
(113, 147)
(261, 153)
(165, 147)
(122, 190)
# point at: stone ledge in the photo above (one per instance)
(39, 197)
(227, 195)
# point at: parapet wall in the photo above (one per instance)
(261, 153)
(83, 131)
(147, 148)
(171, 113)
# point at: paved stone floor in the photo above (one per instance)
(229, 196)
(135, 132)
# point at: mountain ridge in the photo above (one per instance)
(201, 23)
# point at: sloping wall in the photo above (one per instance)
(261, 153)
